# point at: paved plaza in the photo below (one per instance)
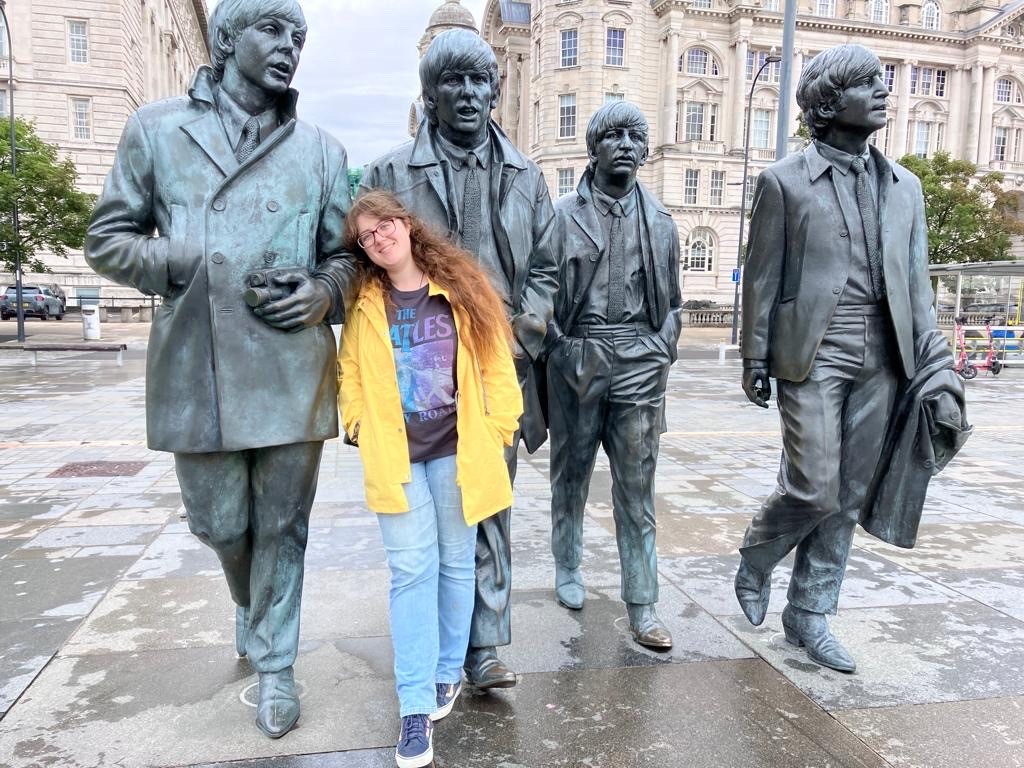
(116, 629)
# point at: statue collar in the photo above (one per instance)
(204, 86)
(424, 152)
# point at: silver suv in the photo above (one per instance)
(36, 300)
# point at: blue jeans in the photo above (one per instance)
(430, 553)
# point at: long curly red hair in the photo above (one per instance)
(470, 289)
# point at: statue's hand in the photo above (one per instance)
(756, 384)
(306, 306)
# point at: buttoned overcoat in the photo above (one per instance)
(521, 223)
(179, 217)
(798, 261)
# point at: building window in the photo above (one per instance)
(915, 73)
(78, 42)
(749, 191)
(770, 5)
(536, 57)
(999, 141)
(567, 116)
(699, 62)
(1016, 144)
(566, 181)
(754, 61)
(570, 48)
(922, 138)
(940, 82)
(1006, 91)
(889, 77)
(826, 8)
(879, 11)
(536, 122)
(691, 183)
(701, 121)
(81, 118)
(940, 136)
(930, 14)
(928, 81)
(717, 190)
(699, 251)
(614, 96)
(3, 41)
(700, 3)
(886, 145)
(615, 48)
(760, 130)
(3, 95)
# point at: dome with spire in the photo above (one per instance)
(451, 14)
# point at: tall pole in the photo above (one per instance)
(743, 195)
(19, 309)
(782, 127)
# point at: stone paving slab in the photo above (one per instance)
(958, 734)
(914, 654)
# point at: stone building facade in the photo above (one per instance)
(80, 70)
(955, 68)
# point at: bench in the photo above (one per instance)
(35, 347)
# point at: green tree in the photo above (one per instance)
(52, 213)
(970, 217)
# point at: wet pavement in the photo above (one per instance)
(116, 629)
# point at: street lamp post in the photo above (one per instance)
(19, 309)
(771, 58)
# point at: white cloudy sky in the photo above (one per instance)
(358, 73)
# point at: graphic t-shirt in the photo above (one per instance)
(424, 340)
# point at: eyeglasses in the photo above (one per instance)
(369, 237)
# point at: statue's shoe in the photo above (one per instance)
(241, 630)
(810, 630)
(753, 590)
(485, 670)
(569, 587)
(278, 708)
(647, 629)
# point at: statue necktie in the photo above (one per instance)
(471, 207)
(870, 221)
(616, 267)
(250, 139)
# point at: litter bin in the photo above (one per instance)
(90, 324)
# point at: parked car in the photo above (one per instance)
(36, 300)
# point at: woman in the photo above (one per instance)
(429, 393)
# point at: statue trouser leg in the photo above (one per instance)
(577, 402)
(631, 436)
(833, 424)
(252, 507)
(492, 609)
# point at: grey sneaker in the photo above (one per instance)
(447, 693)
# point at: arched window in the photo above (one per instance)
(930, 14)
(699, 61)
(699, 252)
(878, 11)
(1007, 91)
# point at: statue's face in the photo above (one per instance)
(267, 53)
(862, 106)
(464, 101)
(620, 151)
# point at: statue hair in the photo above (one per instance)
(459, 50)
(820, 89)
(230, 17)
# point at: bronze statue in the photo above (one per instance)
(249, 204)
(462, 175)
(837, 308)
(611, 342)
